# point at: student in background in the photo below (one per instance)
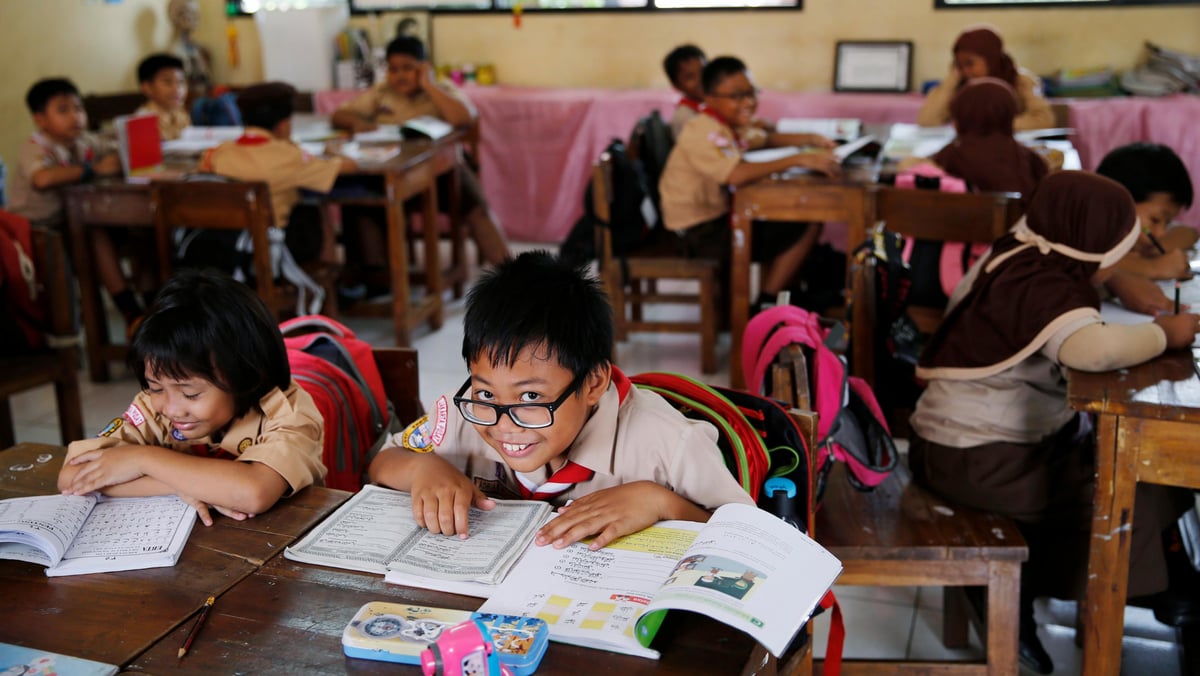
(1161, 188)
(411, 90)
(265, 152)
(993, 429)
(684, 66)
(980, 53)
(161, 79)
(707, 160)
(59, 154)
(219, 421)
(545, 415)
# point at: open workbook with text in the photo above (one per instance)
(745, 567)
(73, 534)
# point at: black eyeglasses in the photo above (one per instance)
(739, 96)
(530, 416)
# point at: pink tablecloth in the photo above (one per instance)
(538, 145)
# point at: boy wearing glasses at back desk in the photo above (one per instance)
(544, 415)
(707, 161)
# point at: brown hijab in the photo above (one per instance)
(984, 153)
(987, 43)
(1037, 279)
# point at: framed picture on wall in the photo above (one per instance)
(872, 66)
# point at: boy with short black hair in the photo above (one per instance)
(707, 160)
(265, 152)
(61, 153)
(684, 66)
(161, 79)
(412, 90)
(545, 415)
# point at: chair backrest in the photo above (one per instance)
(401, 381)
(601, 194)
(217, 205)
(103, 107)
(927, 215)
(50, 257)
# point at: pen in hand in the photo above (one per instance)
(191, 636)
(1161, 250)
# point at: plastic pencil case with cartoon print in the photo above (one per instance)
(398, 632)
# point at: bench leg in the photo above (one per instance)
(7, 433)
(708, 325)
(1003, 606)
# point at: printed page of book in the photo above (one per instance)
(376, 527)
(427, 125)
(129, 534)
(594, 599)
(40, 529)
(752, 571)
(770, 154)
(833, 128)
(15, 659)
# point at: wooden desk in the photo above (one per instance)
(414, 172)
(803, 198)
(114, 617)
(1148, 420)
(288, 617)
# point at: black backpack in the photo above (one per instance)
(630, 230)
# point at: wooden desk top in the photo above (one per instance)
(1164, 388)
(288, 617)
(114, 617)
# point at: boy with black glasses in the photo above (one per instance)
(545, 415)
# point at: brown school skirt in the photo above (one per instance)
(1047, 488)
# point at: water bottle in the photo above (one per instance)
(780, 497)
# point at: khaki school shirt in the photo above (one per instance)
(170, 122)
(639, 439)
(283, 431)
(382, 105)
(258, 156)
(37, 153)
(693, 184)
(1033, 110)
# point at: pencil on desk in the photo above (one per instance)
(191, 636)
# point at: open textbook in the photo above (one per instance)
(375, 532)
(73, 534)
(841, 152)
(745, 567)
(843, 129)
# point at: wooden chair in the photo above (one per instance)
(901, 535)
(103, 107)
(927, 215)
(58, 364)
(629, 280)
(401, 381)
(233, 205)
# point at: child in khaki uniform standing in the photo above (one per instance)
(411, 90)
(544, 415)
(707, 160)
(219, 422)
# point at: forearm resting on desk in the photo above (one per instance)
(1103, 347)
(247, 487)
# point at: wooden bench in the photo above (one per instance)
(900, 535)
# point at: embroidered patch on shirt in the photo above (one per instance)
(441, 422)
(718, 139)
(113, 426)
(177, 435)
(134, 415)
(244, 444)
(415, 437)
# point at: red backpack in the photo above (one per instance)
(338, 370)
(18, 283)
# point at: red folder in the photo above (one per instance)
(140, 144)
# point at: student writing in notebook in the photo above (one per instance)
(993, 430)
(412, 90)
(707, 161)
(543, 414)
(979, 52)
(219, 421)
(161, 79)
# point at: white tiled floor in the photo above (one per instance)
(882, 623)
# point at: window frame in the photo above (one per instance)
(1031, 4)
(494, 9)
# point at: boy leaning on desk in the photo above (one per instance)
(545, 415)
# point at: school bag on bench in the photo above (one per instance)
(338, 370)
(23, 321)
(850, 428)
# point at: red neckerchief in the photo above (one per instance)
(249, 140)
(737, 138)
(571, 473)
(689, 102)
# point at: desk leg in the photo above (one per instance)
(397, 243)
(95, 327)
(739, 291)
(433, 263)
(1003, 609)
(1108, 558)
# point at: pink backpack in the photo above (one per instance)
(851, 427)
(956, 257)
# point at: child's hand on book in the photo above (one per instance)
(105, 467)
(818, 141)
(614, 512)
(108, 165)
(206, 516)
(821, 161)
(442, 497)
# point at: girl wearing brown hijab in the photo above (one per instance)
(980, 53)
(993, 430)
